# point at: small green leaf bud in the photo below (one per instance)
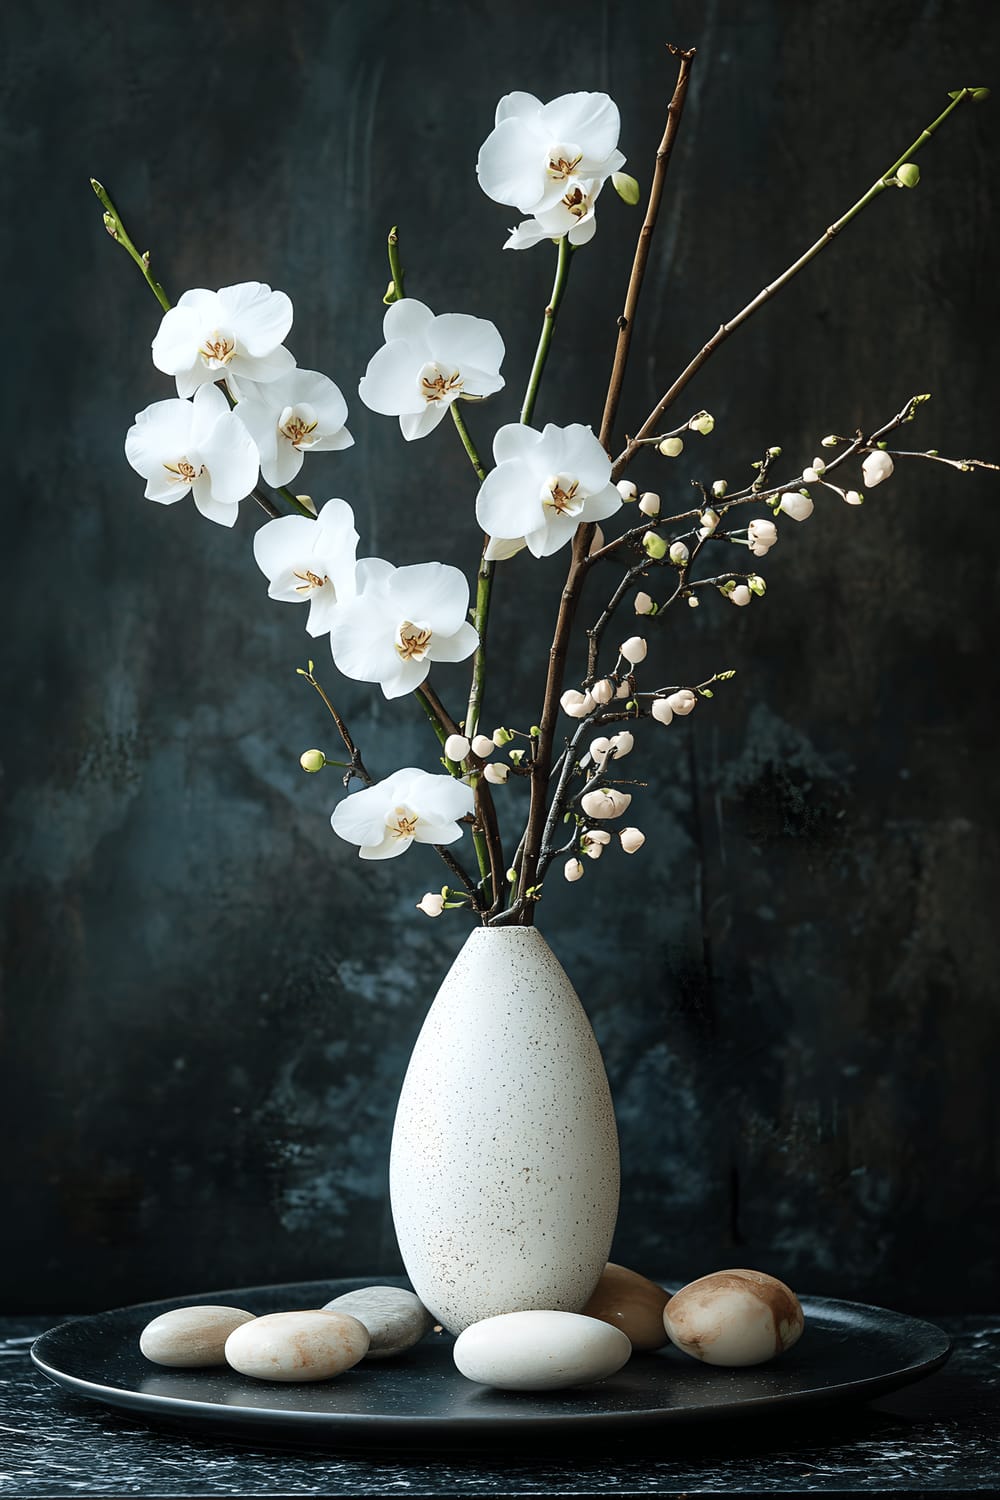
(756, 585)
(705, 693)
(908, 174)
(978, 95)
(312, 760)
(672, 447)
(626, 187)
(390, 294)
(774, 452)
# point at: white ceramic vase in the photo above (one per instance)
(504, 1169)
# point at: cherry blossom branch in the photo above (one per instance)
(542, 764)
(887, 179)
(486, 826)
(626, 320)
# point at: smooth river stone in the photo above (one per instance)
(734, 1318)
(540, 1351)
(396, 1319)
(188, 1337)
(632, 1303)
(312, 1345)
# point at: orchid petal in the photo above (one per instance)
(260, 317)
(390, 384)
(407, 319)
(508, 503)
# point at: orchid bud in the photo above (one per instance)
(796, 505)
(830, 441)
(654, 546)
(876, 467)
(704, 423)
(719, 488)
(739, 595)
(456, 747)
(634, 649)
(622, 743)
(603, 691)
(683, 701)
(908, 175)
(496, 773)
(632, 839)
(483, 746)
(854, 497)
(661, 711)
(649, 503)
(672, 447)
(312, 760)
(501, 737)
(643, 603)
(432, 905)
(627, 490)
(577, 705)
(605, 802)
(626, 187)
(597, 542)
(308, 502)
(679, 554)
(573, 869)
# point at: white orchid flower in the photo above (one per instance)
(409, 806)
(237, 330)
(196, 445)
(285, 417)
(310, 561)
(399, 621)
(572, 215)
(544, 486)
(426, 363)
(536, 150)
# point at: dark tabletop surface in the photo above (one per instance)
(941, 1437)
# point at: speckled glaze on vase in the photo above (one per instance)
(504, 1170)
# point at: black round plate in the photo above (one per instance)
(848, 1351)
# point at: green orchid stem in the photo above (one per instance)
(565, 254)
(115, 227)
(467, 443)
(113, 224)
(395, 265)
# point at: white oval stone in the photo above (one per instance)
(312, 1345)
(187, 1337)
(540, 1351)
(395, 1318)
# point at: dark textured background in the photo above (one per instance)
(208, 1003)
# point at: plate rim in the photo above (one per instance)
(179, 1408)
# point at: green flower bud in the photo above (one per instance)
(626, 187)
(672, 447)
(774, 452)
(312, 760)
(908, 174)
(756, 585)
(654, 546)
(703, 422)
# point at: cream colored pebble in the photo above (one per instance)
(187, 1337)
(293, 1346)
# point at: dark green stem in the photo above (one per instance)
(565, 252)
